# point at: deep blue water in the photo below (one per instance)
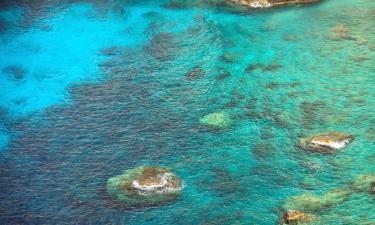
(90, 88)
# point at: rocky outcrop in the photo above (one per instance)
(325, 143)
(144, 186)
(269, 3)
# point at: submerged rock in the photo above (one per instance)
(308, 202)
(263, 150)
(163, 46)
(273, 67)
(311, 113)
(144, 186)
(15, 72)
(216, 120)
(269, 3)
(179, 4)
(195, 73)
(252, 67)
(223, 74)
(365, 183)
(228, 57)
(110, 51)
(310, 182)
(340, 32)
(3, 25)
(325, 143)
(297, 217)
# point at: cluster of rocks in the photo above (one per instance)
(304, 208)
(146, 186)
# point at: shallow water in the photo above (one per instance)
(90, 88)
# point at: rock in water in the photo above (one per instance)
(325, 143)
(365, 183)
(216, 120)
(144, 186)
(269, 3)
(296, 217)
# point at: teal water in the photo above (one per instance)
(90, 88)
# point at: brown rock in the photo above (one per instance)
(296, 217)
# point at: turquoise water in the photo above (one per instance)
(90, 88)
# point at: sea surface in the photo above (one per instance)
(91, 88)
